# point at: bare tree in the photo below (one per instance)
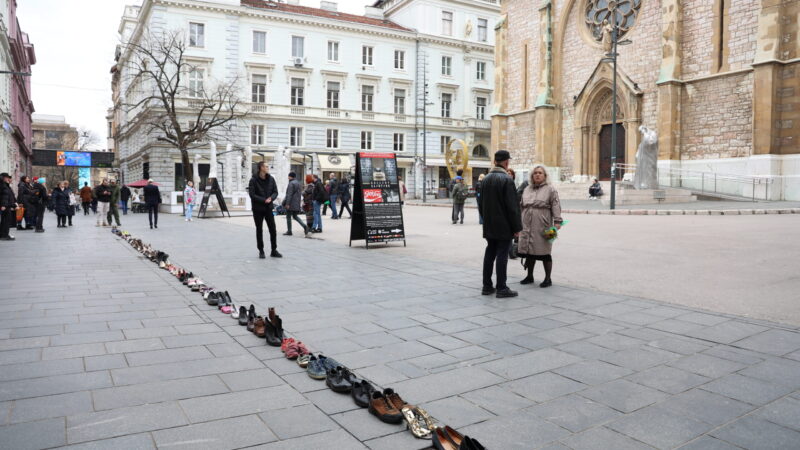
(180, 110)
(83, 140)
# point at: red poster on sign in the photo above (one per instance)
(373, 196)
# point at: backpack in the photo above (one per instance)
(461, 194)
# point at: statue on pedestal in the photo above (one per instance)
(646, 176)
(281, 166)
(212, 169)
(229, 181)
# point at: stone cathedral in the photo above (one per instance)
(719, 80)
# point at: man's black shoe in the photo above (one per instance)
(275, 254)
(506, 293)
(40, 230)
(7, 238)
(261, 254)
(488, 290)
(288, 233)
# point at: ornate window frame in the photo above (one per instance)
(585, 25)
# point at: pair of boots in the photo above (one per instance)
(528, 264)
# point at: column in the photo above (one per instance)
(238, 173)
(766, 79)
(212, 171)
(670, 88)
(196, 171)
(545, 116)
(228, 169)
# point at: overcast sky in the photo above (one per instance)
(74, 42)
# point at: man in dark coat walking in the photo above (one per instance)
(291, 203)
(8, 206)
(152, 197)
(263, 191)
(40, 200)
(124, 196)
(501, 223)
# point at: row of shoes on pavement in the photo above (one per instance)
(386, 404)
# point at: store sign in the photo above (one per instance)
(377, 213)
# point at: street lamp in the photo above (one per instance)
(612, 58)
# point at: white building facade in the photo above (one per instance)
(327, 84)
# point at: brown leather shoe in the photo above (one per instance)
(260, 328)
(271, 315)
(394, 399)
(384, 411)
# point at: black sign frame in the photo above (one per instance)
(212, 188)
(379, 220)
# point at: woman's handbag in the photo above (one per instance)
(20, 213)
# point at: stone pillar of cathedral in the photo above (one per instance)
(545, 117)
(670, 87)
(766, 79)
(501, 57)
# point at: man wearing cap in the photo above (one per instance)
(8, 204)
(459, 194)
(103, 195)
(113, 204)
(501, 223)
(291, 203)
(152, 197)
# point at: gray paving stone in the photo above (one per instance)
(412, 333)
(708, 366)
(250, 379)
(708, 443)
(372, 340)
(331, 402)
(161, 356)
(185, 369)
(90, 327)
(135, 345)
(615, 341)
(575, 413)
(452, 326)
(73, 351)
(456, 411)
(659, 427)
(59, 384)
(740, 355)
(675, 326)
(433, 361)
(444, 343)
(785, 412)
(445, 384)
(51, 406)
(518, 431)
(381, 375)
(196, 339)
(746, 389)
(144, 333)
(104, 362)
(338, 439)
(773, 342)
(584, 349)
(303, 383)
(623, 395)
(48, 330)
(498, 400)
(707, 407)
(364, 428)
(221, 406)
(297, 421)
(232, 433)
(702, 318)
(602, 437)
(684, 346)
(20, 356)
(37, 369)
(755, 433)
(778, 371)
(727, 332)
(593, 372)
(668, 379)
(398, 441)
(530, 363)
(468, 353)
(119, 422)
(86, 338)
(33, 435)
(544, 386)
(159, 391)
(141, 441)
(640, 358)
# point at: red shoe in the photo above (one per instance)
(286, 343)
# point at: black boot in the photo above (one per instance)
(528, 264)
(548, 267)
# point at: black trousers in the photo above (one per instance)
(293, 215)
(259, 217)
(496, 255)
(152, 214)
(86, 207)
(62, 219)
(345, 204)
(7, 217)
(40, 208)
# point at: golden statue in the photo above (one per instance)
(458, 159)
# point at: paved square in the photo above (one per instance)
(98, 346)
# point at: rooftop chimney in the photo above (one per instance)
(328, 6)
(373, 12)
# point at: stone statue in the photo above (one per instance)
(212, 164)
(281, 166)
(646, 176)
(468, 29)
(248, 165)
(607, 31)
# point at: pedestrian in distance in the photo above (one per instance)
(501, 223)
(308, 202)
(41, 200)
(403, 191)
(344, 197)
(326, 203)
(74, 203)
(124, 196)
(24, 197)
(8, 206)
(61, 203)
(478, 195)
(451, 185)
(333, 190)
(292, 204)
(189, 198)
(152, 198)
(541, 210)
(113, 204)
(459, 195)
(102, 193)
(320, 196)
(263, 191)
(595, 190)
(86, 198)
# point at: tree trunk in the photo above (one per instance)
(188, 173)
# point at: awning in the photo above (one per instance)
(334, 162)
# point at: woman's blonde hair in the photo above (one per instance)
(481, 177)
(544, 169)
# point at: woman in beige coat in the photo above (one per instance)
(541, 210)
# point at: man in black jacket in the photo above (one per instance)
(292, 203)
(8, 206)
(124, 196)
(152, 197)
(263, 191)
(334, 192)
(319, 200)
(501, 223)
(103, 195)
(40, 200)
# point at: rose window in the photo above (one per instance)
(621, 12)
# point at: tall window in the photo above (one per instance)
(480, 70)
(399, 59)
(296, 136)
(366, 55)
(197, 34)
(333, 95)
(196, 83)
(399, 101)
(480, 108)
(447, 102)
(259, 89)
(398, 142)
(298, 43)
(256, 134)
(482, 28)
(366, 140)
(447, 23)
(367, 93)
(332, 138)
(443, 141)
(447, 65)
(333, 51)
(259, 42)
(297, 91)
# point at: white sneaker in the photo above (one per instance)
(185, 220)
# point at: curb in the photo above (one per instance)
(651, 212)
